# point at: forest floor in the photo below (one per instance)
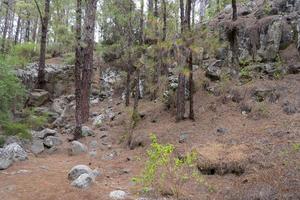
(265, 144)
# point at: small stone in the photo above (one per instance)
(51, 141)
(83, 181)
(222, 130)
(93, 144)
(37, 147)
(183, 137)
(117, 195)
(45, 133)
(86, 131)
(77, 148)
(93, 154)
(78, 170)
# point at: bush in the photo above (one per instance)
(165, 172)
(16, 129)
(11, 92)
(22, 54)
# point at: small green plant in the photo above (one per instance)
(166, 173)
(267, 7)
(33, 120)
(16, 129)
(2, 141)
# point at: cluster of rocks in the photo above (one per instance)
(11, 153)
(45, 139)
(59, 78)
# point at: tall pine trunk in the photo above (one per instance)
(88, 49)
(17, 30)
(77, 72)
(5, 28)
(44, 21)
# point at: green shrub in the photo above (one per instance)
(33, 120)
(165, 172)
(16, 129)
(2, 141)
(22, 54)
(11, 91)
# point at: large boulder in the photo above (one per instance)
(214, 70)
(52, 141)
(44, 133)
(16, 152)
(118, 195)
(78, 170)
(83, 181)
(37, 146)
(38, 97)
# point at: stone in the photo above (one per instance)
(87, 131)
(117, 195)
(93, 154)
(222, 130)
(78, 170)
(16, 152)
(83, 181)
(98, 120)
(5, 160)
(289, 108)
(183, 137)
(51, 141)
(38, 97)
(214, 70)
(37, 147)
(293, 69)
(93, 144)
(77, 148)
(45, 133)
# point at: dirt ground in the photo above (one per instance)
(250, 156)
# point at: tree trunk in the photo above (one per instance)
(88, 40)
(191, 86)
(164, 5)
(150, 6)
(180, 100)
(17, 30)
(181, 15)
(5, 28)
(127, 92)
(27, 34)
(234, 10)
(34, 29)
(44, 21)
(77, 72)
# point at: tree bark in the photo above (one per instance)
(164, 7)
(88, 40)
(5, 28)
(17, 30)
(127, 92)
(77, 72)
(44, 21)
(181, 4)
(234, 10)
(180, 100)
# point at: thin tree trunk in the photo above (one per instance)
(5, 29)
(180, 100)
(88, 40)
(17, 30)
(181, 15)
(164, 20)
(34, 29)
(44, 21)
(127, 92)
(77, 72)
(27, 34)
(234, 10)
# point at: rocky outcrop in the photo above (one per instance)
(11, 153)
(59, 78)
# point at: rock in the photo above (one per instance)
(45, 133)
(289, 108)
(93, 154)
(77, 148)
(5, 160)
(294, 69)
(38, 97)
(117, 195)
(222, 130)
(37, 147)
(58, 105)
(86, 131)
(78, 170)
(51, 141)
(93, 144)
(183, 137)
(214, 70)
(262, 94)
(15, 152)
(83, 181)
(98, 120)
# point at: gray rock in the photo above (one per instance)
(214, 70)
(5, 160)
(78, 170)
(289, 108)
(83, 181)
(51, 141)
(183, 137)
(93, 144)
(99, 120)
(77, 148)
(38, 97)
(15, 152)
(37, 147)
(45, 133)
(117, 195)
(86, 131)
